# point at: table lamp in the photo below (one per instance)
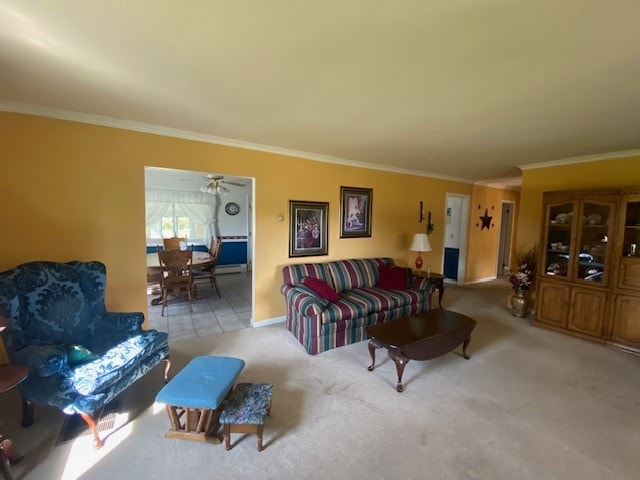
(420, 244)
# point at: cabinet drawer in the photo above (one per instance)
(629, 276)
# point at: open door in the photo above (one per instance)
(456, 233)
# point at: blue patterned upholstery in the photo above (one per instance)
(248, 404)
(52, 306)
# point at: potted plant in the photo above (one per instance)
(521, 279)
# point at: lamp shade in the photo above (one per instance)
(420, 243)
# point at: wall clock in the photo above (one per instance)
(232, 208)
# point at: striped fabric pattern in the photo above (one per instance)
(422, 284)
(321, 327)
(304, 289)
(361, 272)
(344, 309)
(293, 274)
(316, 336)
(304, 303)
(335, 335)
(377, 299)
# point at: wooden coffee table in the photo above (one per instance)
(422, 336)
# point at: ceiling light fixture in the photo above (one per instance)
(214, 188)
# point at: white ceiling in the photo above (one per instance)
(460, 88)
(187, 180)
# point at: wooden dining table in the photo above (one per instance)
(199, 260)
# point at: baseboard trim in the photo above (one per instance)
(223, 269)
(268, 321)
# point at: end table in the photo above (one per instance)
(10, 376)
(437, 279)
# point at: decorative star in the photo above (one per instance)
(486, 219)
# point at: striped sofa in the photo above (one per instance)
(320, 325)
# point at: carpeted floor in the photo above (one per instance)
(529, 404)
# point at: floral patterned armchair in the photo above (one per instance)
(80, 355)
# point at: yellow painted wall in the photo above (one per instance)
(483, 244)
(74, 191)
(620, 172)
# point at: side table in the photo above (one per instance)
(437, 279)
(10, 376)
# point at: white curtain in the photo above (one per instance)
(154, 211)
(202, 213)
(200, 206)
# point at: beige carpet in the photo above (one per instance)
(530, 404)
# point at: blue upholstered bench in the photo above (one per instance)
(245, 410)
(194, 396)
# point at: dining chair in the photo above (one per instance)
(175, 243)
(153, 275)
(176, 276)
(208, 272)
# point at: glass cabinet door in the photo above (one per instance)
(557, 251)
(594, 247)
(631, 219)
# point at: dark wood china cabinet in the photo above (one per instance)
(589, 267)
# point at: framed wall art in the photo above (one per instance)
(308, 228)
(355, 212)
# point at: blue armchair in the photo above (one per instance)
(80, 355)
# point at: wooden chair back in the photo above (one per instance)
(209, 271)
(174, 243)
(176, 263)
(176, 275)
(214, 250)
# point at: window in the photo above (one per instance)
(176, 222)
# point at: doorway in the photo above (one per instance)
(456, 233)
(200, 205)
(506, 236)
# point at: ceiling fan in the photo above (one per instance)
(216, 182)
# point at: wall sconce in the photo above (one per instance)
(430, 225)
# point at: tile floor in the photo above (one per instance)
(210, 314)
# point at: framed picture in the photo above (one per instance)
(308, 228)
(355, 212)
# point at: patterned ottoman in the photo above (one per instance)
(195, 394)
(245, 411)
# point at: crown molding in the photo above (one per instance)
(513, 183)
(582, 159)
(90, 118)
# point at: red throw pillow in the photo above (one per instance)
(321, 288)
(392, 278)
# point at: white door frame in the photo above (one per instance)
(464, 236)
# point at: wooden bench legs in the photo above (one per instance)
(198, 424)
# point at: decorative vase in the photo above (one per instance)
(519, 303)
